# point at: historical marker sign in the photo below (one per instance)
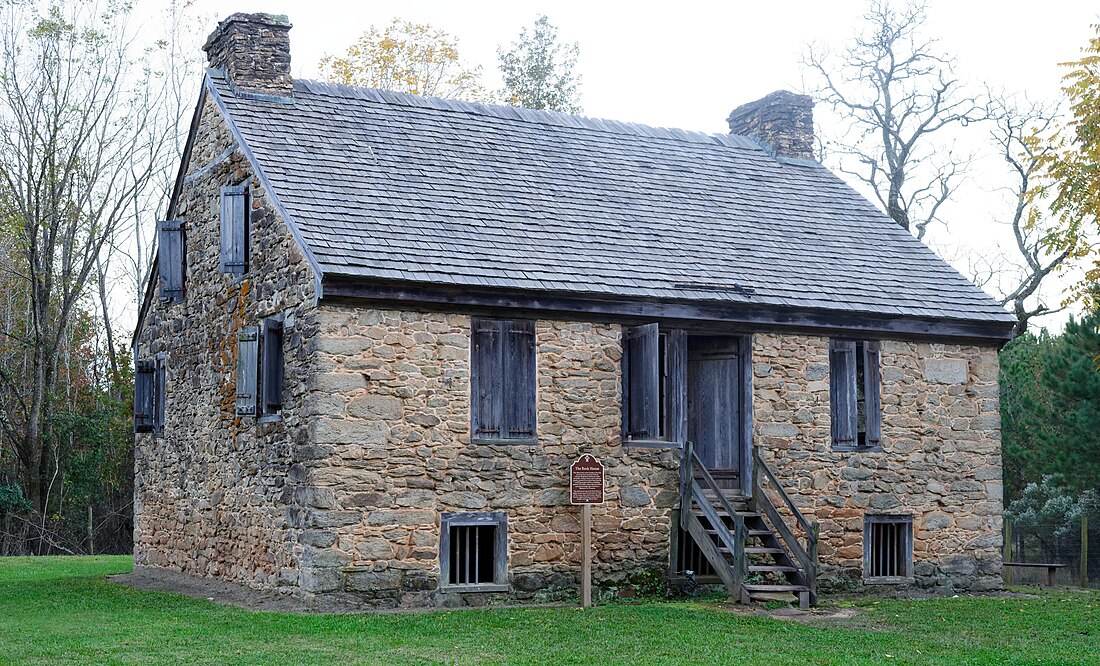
(586, 481)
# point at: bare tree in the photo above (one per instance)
(899, 96)
(1016, 135)
(83, 131)
(127, 257)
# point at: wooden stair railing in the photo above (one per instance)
(805, 556)
(732, 542)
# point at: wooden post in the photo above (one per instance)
(1008, 552)
(91, 532)
(586, 555)
(1084, 550)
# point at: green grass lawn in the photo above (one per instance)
(62, 611)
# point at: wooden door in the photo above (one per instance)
(714, 404)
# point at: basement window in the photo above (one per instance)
(887, 549)
(473, 552)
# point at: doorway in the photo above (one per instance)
(714, 377)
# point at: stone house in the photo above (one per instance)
(380, 327)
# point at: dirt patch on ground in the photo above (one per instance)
(837, 609)
(211, 589)
(228, 593)
(792, 614)
(840, 609)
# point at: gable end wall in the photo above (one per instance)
(213, 496)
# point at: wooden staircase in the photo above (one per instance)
(745, 538)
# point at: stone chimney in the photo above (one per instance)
(254, 51)
(783, 120)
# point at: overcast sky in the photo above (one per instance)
(687, 64)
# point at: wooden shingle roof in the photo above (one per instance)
(400, 188)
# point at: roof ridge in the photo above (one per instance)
(516, 113)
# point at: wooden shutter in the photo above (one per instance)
(871, 392)
(248, 347)
(519, 378)
(676, 385)
(641, 382)
(486, 378)
(234, 229)
(744, 352)
(272, 372)
(159, 395)
(170, 259)
(143, 396)
(842, 391)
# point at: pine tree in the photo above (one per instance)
(1050, 407)
(1070, 372)
(1026, 407)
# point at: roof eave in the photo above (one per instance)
(687, 313)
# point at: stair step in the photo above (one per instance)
(752, 533)
(756, 549)
(732, 499)
(776, 568)
(776, 588)
(722, 513)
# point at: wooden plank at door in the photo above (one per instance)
(726, 416)
(714, 404)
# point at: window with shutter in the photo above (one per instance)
(248, 347)
(872, 398)
(654, 368)
(854, 385)
(170, 259)
(234, 229)
(502, 381)
(271, 366)
(159, 395)
(143, 396)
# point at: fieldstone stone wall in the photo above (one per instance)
(211, 495)
(940, 463)
(389, 421)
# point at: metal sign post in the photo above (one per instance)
(586, 482)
